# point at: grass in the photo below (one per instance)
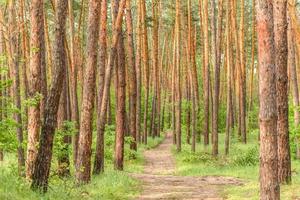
(242, 162)
(110, 185)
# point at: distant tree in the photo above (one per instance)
(132, 76)
(14, 67)
(178, 76)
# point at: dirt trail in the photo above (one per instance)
(160, 183)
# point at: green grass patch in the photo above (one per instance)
(242, 162)
(110, 185)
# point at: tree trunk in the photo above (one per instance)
(215, 105)
(138, 71)
(43, 71)
(188, 109)
(269, 185)
(25, 57)
(253, 46)
(281, 48)
(36, 42)
(174, 90)
(293, 79)
(178, 81)
(99, 155)
(43, 161)
(242, 71)
(14, 67)
(83, 162)
(73, 80)
(229, 82)
(206, 72)
(107, 80)
(120, 87)
(132, 76)
(146, 66)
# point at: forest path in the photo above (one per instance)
(159, 181)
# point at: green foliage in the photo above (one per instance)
(246, 158)
(294, 130)
(108, 186)
(242, 162)
(62, 137)
(8, 140)
(34, 101)
(189, 157)
(252, 121)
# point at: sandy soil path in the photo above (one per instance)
(158, 181)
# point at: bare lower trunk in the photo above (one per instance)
(73, 80)
(14, 67)
(229, 82)
(83, 162)
(108, 75)
(269, 185)
(178, 76)
(121, 108)
(281, 48)
(36, 40)
(206, 73)
(43, 162)
(99, 155)
(132, 76)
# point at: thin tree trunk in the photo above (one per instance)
(229, 84)
(242, 71)
(44, 70)
(132, 76)
(73, 81)
(188, 108)
(138, 71)
(293, 79)
(206, 72)
(281, 48)
(25, 56)
(215, 105)
(99, 155)
(120, 87)
(173, 90)
(146, 66)
(14, 67)
(253, 43)
(178, 81)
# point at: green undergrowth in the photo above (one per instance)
(110, 185)
(242, 162)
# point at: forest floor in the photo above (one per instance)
(159, 182)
